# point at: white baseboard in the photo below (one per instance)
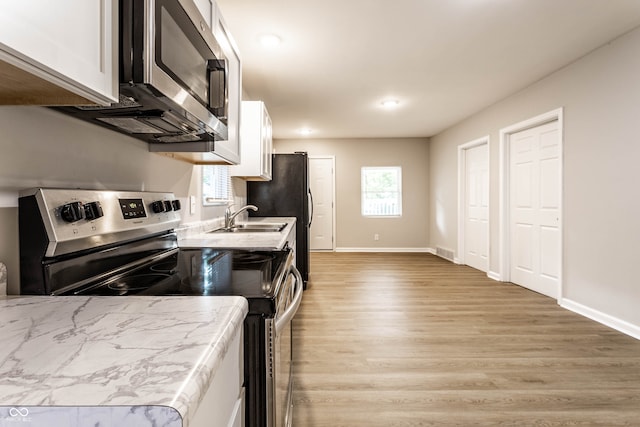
(495, 276)
(427, 250)
(600, 317)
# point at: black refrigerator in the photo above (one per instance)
(287, 194)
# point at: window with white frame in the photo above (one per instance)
(381, 191)
(216, 185)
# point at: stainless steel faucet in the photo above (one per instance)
(229, 218)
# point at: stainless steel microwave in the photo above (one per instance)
(173, 78)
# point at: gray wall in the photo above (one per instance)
(353, 232)
(600, 94)
(40, 147)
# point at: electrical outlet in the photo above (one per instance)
(376, 237)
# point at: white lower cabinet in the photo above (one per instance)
(60, 52)
(223, 403)
(237, 417)
(291, 242)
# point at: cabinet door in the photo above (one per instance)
(230, 149)
(70, 43)
(255, 142)
(267, 145)
(207, 10)
(223, 403)
(237, 417)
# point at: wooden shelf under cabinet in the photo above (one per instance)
(19, 87)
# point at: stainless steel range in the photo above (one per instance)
(113, 243)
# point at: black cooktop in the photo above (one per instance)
(207, 271)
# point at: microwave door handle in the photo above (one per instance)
(217, 71)
(286, 317)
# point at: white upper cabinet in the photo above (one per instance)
(207, 10)
(256, 143)
(61, 52)
(229, 149)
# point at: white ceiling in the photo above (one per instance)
(443, 60)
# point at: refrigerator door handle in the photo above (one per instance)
(310, 197)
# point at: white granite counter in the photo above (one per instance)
(199, 237)
(110, 361)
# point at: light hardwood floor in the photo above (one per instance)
(413, 340)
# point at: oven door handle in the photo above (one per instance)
(287, 316)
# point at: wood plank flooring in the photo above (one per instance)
(413, 340)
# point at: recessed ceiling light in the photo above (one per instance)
(390, 103)
(270, 40)
(305, 131)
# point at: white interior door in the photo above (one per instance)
(476, 207)
(321, 181)
(534, 202)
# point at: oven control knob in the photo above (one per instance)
(168, 207)
(93, 210)
(157, 206)
(72, 212)
(176, 205)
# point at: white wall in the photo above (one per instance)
(354, 232)
(600, 94)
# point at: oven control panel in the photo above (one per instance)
(95, 217)
(76, 211)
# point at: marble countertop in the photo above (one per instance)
(113, 352)
(199, 237)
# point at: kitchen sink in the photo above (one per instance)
(258, 227)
